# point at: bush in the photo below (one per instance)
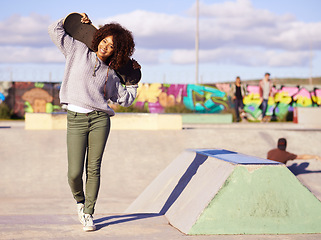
(179, 108)
(5, 112)
(130, 109)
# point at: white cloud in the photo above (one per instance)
(235, 25)
(245, 57)
(30, 55)
(240, 24)
(287, 59)
(232, 32)
(156, 30)
(147, 56)
(25, 31)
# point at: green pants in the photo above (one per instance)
(86, 139)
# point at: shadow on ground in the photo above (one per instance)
(301, 168)
(118, 219)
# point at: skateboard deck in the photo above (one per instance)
(128, 74)
(83, 32)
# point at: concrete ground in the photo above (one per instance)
(36, 203)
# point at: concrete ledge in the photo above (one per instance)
(45, 121)
(146, 121)
(207, 118)
(121, 121)
(309, 116)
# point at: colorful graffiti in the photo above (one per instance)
(25, 97)
(216, 98)
(4, 90)
(202, 99)
(156, 98)
(282, 101)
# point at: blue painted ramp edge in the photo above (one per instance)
(234, 157)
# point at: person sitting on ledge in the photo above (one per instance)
(279, 154)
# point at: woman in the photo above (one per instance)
(89, 82)
(238, 91)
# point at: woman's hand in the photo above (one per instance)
(85, 18)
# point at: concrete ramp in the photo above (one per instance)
(216, 191)
(308, 172)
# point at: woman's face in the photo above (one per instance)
(105, 48)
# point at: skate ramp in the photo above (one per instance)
(216, 191)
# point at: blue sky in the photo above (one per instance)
(237, 37)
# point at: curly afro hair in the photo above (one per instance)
(124, 45)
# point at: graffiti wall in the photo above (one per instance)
(24, 97)
(198, 98)
(282, 102)
(218, 97)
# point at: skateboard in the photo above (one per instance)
(128, 74)
(84, 32)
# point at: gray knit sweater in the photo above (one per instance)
(79, 87)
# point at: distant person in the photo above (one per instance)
(279, 154)
(265, 92)
(239, 92)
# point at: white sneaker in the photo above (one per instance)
(80, 210)
(89, 223)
